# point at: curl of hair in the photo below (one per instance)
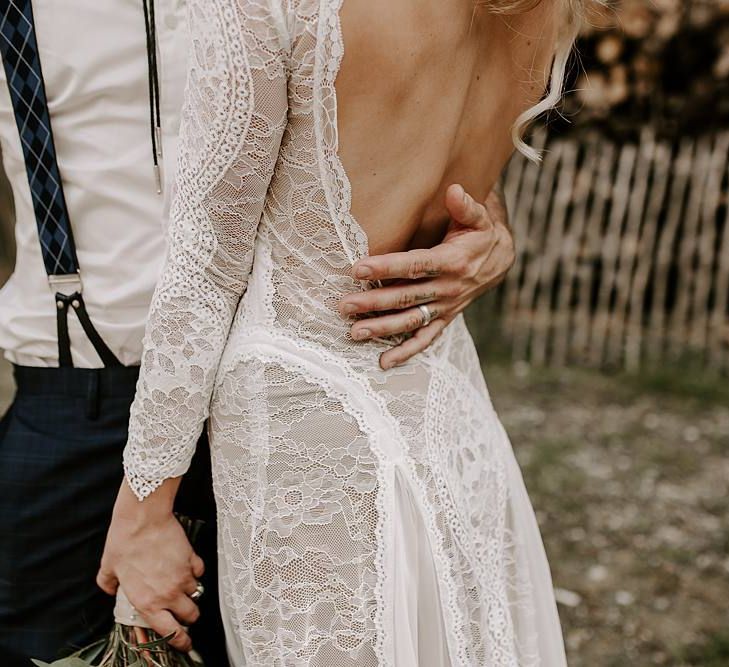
(572, 13)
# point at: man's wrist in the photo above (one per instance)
(499, 211)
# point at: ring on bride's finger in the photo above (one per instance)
(198, 592)
(427, 315)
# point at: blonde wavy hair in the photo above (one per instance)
(573, 12)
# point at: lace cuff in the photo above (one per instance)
(233, 119)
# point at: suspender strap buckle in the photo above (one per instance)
(66, 283)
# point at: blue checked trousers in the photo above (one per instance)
(60, 468)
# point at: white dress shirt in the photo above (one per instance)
(94, 63)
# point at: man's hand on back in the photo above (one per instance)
(474, 257)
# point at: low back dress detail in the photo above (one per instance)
(366, 517)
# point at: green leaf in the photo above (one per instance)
(92, 652)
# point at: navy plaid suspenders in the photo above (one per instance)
(19, 51)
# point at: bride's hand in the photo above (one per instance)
(475, 256)
(148, 554)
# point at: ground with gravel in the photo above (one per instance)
(629, 477)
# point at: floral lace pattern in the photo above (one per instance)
(308, 435)
(235, 115)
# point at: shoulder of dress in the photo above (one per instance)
(301, 15)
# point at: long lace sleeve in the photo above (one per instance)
(233, 119)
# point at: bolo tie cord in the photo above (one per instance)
(153, 85)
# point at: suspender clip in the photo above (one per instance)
(67, 283)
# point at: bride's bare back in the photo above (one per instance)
(427, 94)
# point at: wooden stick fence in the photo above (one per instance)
(622, 252)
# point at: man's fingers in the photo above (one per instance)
(396, 323)
(410, 265)
(107, 581)
(422, 339)
(464, 209)
(392, 297)
(184, 609)
(165, 624)
(198, 566)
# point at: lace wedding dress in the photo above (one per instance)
(366, 517)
